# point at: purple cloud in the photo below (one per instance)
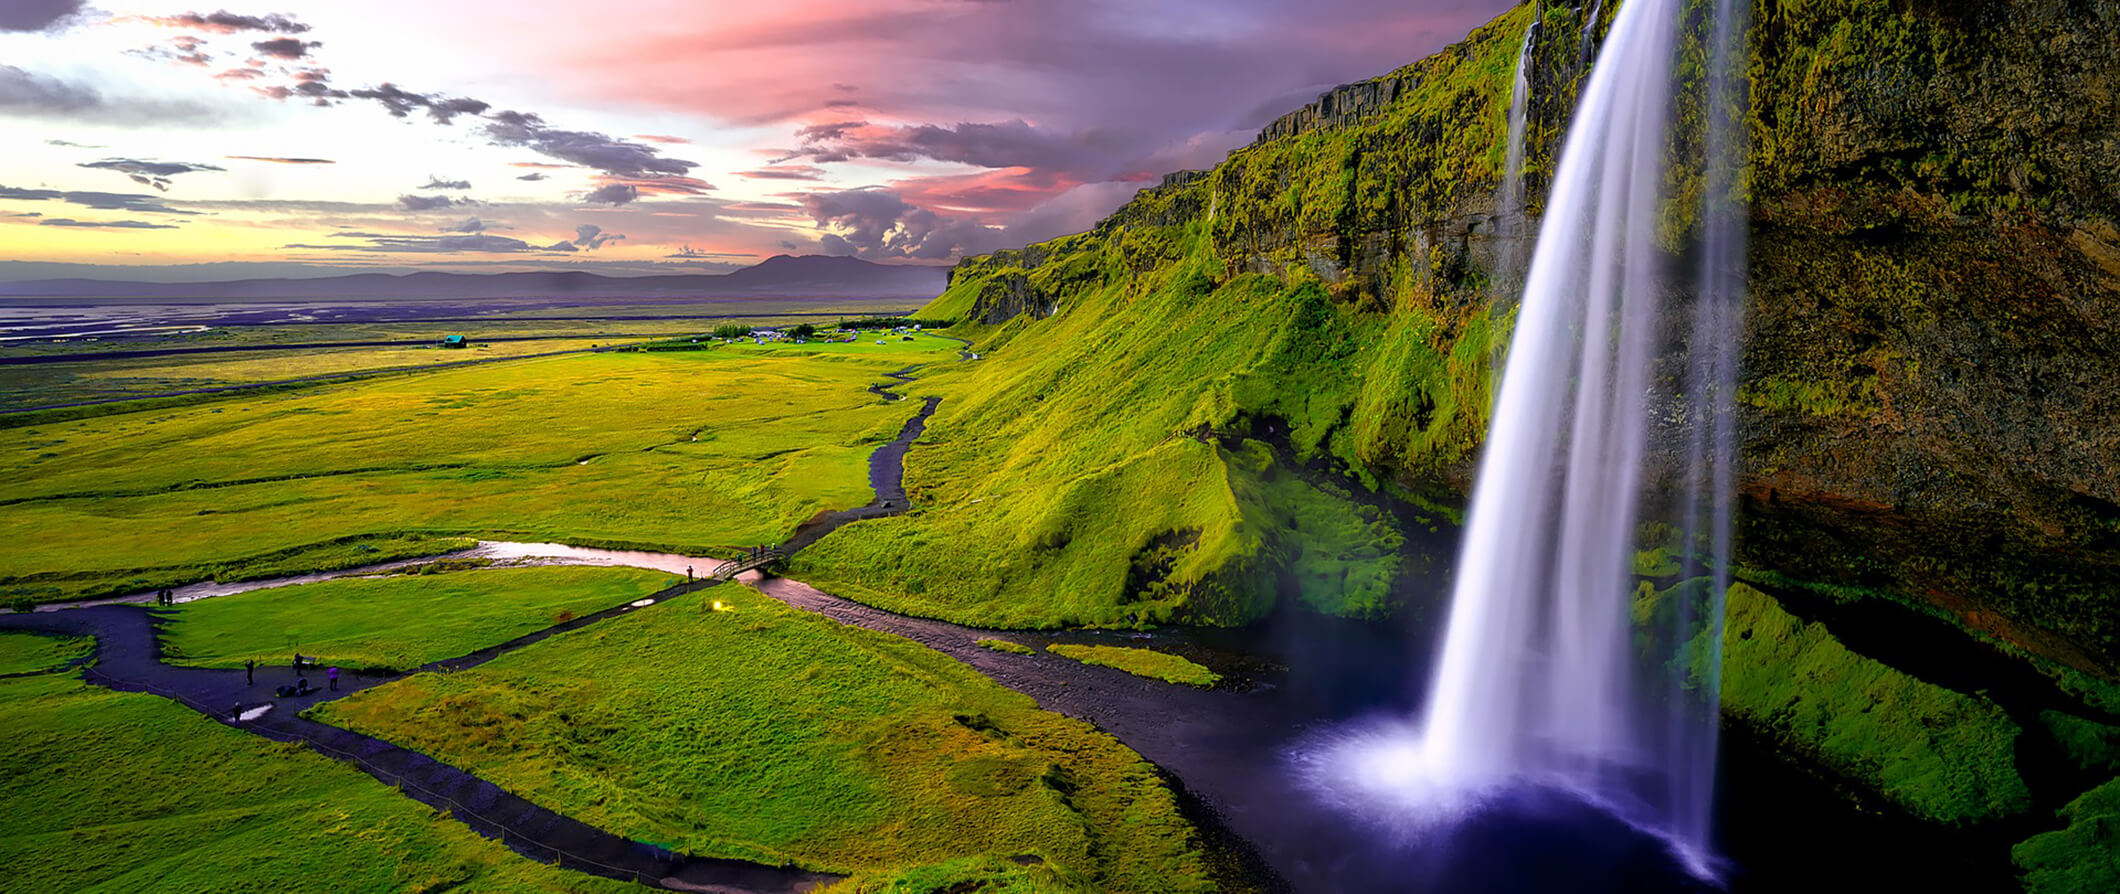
(105, 224)
(36, 15)
(588, 149)
(873, 222)
(429, 203)
(613, 194)
(285, 47)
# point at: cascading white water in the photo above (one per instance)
(1543, 679)
(1510, 219)
(1509, 197)
(1533, 675)
(1582, 54)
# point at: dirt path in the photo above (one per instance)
(128, 658)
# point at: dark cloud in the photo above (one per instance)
(400, 103)
(429, 203)
(25, 94)
(281, 161)
(225, 22)
(471, 225)
(533, 176)
(1089, 154)
(434, 182)
(876, 223)
(790, 172)
(73, 145)
(101, 201)
(593, 237)
(586, 148)
(150, 173)
(285, 47)
(562, 245)
(105, 224)
(476, 242)
(27, 214)
(659, 186)
(36, 15)
(613, 194)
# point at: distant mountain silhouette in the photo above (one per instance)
(790, 276)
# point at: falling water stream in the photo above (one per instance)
(1544, 681)
(1510, 218)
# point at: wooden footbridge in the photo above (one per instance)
(755, 559)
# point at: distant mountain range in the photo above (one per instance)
(808, 276)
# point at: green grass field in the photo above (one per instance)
(2081, 858)
(1943, 755)
(689, 451)
(1141, 663)
(1002, 645)
(769, 733)
(400, 621)
(909, 345)
(123, 792)
(1110, 464)
(24, 653)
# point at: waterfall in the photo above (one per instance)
(1510, 220)
(1582, 55)
(1544, 678)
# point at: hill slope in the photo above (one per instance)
(1168, 398)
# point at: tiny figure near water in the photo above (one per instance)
(332, 677)
(250, 672)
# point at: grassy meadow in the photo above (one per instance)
(768, 733)
(105, 793)
(692, 451)
(27, 653)
(398, 621)
(1141, 663)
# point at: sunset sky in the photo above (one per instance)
(646, 136)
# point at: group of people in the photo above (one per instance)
(301, 681)
(165, 597)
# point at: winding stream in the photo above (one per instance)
(1226, 750)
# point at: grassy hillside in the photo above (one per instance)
(1183, 437)
(1935, 272)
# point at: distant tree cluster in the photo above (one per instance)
(731, 330)
(801, 330)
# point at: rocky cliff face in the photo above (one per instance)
(1932, 379)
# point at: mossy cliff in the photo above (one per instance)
(1930, 407)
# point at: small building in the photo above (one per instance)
(454, 341)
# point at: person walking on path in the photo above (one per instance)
(332, 676)
(688, 572)
(250, 672)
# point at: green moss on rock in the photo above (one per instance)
(2083, 857)
(1943, 755)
